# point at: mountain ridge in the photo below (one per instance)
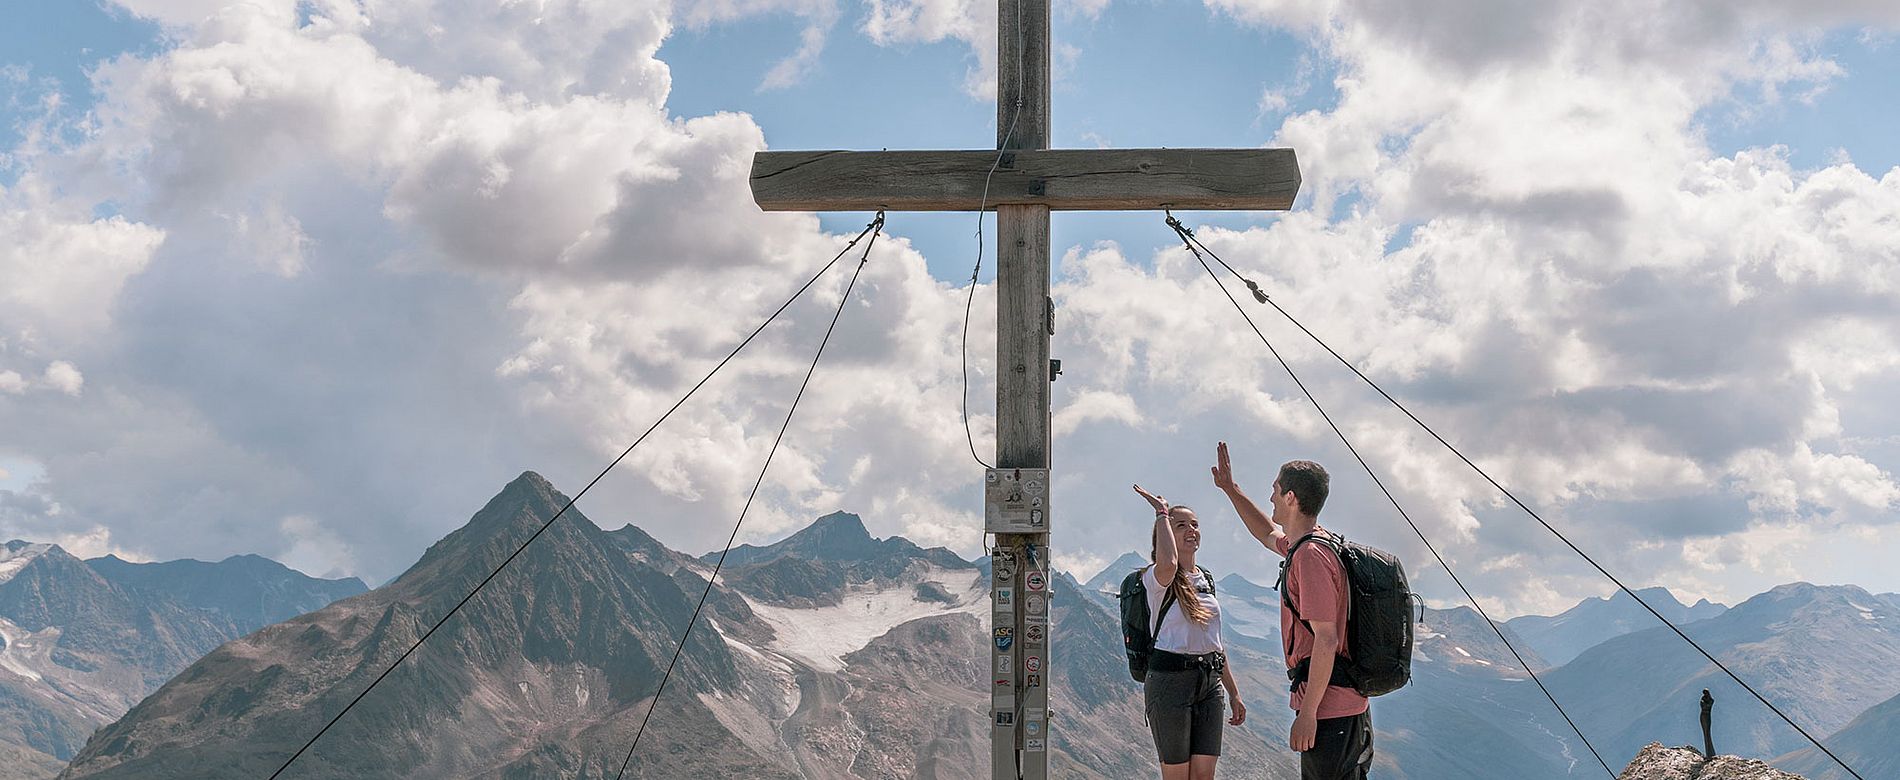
(549, 673)
(81, 642)
(1822, 653)
(1562, 637)
(1865, 743)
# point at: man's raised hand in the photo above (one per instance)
(1223, 470)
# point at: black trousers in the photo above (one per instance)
(1342, 749)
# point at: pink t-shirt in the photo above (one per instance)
(1317, 585)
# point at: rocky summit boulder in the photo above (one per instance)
(1685, 763)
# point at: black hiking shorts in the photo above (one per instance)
(1185, 711)
(1342, 749)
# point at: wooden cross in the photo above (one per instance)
(1028, 181)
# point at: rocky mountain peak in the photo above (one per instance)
(17, 554)
(1562, 637)
(836, 537)
(1656, 597)
(1656, 762)
(837, 532)
(539, 674)
(38, 582)
(1807, 602)
(1234, 584)
(1110, 577)
(517, 511)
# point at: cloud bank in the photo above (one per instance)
(315, 278)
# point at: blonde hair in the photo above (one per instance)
(1183, 588)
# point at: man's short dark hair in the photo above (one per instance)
(1308, 481)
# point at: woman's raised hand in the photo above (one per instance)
(1160, 504)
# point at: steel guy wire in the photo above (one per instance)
(878, 223)
(690, 622)
(1188, 237)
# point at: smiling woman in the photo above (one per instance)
(1177, 647)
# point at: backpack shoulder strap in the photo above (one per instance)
(1167, 600)
(1286, 568)
(1326, 540)
(1132, 583)
(1210, 579)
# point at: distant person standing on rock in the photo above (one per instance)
(1188, 667)
(1708, 719)
(1332, 730)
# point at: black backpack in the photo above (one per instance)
(1138, 627)
(1378, 623)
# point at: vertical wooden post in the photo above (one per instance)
(1022, 367)
(1018, 506)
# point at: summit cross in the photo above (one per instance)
(1022, 180)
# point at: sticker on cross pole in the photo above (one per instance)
(1033, 634)
(1005, 599)
(1032, 663)
(1005, 720)
(1036, 603)
(1005, 636)
(1003, 562)
(1035, 580)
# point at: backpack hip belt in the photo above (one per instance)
(1169, 661)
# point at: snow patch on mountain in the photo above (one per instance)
(23, 650)
(1255, 617)
(822, 636)
(15, 556)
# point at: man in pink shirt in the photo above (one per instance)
(1333, 727)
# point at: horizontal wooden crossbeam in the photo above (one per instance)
(1062, 179)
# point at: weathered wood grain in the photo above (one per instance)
(1022, 337)
(1024, 123)
(1061, 179)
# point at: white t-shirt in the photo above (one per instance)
(1179, 634)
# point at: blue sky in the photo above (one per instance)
(1120, 90)
(312, 279)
